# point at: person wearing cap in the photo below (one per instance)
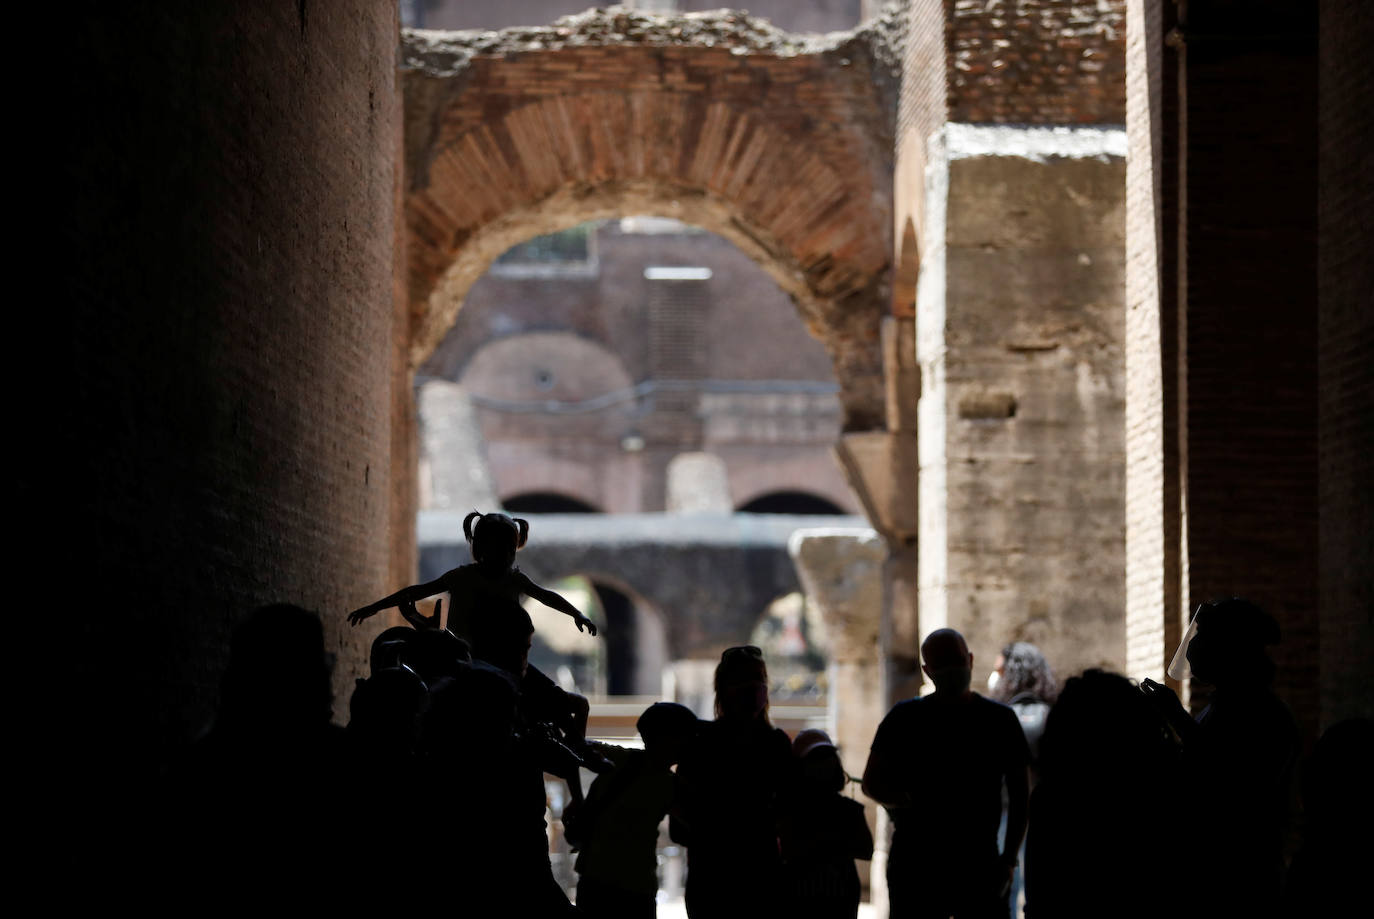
(1237, 762)
(939, 764)
(821, 833)
(616, 828)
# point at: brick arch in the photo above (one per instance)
(785, 154)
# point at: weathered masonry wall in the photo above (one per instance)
(228, 295)
(1032, 62)
(1009, 211)
(1030, 363)
(780, 143)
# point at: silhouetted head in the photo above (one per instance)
(820, 760)
(384, 712)
(742, 685)
(1229, 646)
(947, 661)
(434, 653)
(495, 538)
(667, 728)
(1021, 668)
(470, 715)
(278, 673)
(502, 636)
(1101, 728)
(388, 647)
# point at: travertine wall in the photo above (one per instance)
(228, 295)
(1033, 394)
(1014, 237)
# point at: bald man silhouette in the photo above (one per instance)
(939, 764)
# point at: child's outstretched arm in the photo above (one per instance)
(406, 595)
(556, 601)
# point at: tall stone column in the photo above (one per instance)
(881, 468)
(842, 571)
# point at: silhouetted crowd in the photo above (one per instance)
(1099, 798)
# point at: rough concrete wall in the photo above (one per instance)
(227, 291)
(1249, 357)
(1153, 505)
(1345, 330)
(1034, 394)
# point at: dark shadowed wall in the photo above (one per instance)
(227, 356)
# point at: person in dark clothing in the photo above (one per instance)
(485, 817)
(492, 585)
(1105, 788)
(253, 806)
(728, 783)
(1236, 764)
(1327, 874)
(616, 829)
(821, 834)
(939, 764)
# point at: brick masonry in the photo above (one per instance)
(1345, 343)
(1153, 503)
(227, 440)
(1251, 194)
(701, 118)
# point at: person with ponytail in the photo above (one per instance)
(492, 585)
(729, 781)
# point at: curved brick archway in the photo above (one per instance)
(782, 147)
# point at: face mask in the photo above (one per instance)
(993, 679)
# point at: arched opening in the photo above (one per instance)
(546, 502)
(793, 638)
(790, 502)
(585, 377)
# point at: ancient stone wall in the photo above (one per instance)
(227, 300)
(780, 143)
(1010, 254)
(1033, 395)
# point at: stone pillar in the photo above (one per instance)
(881, 468)
(842, 571)
(454, 472)
(698, 484)
(691, 683)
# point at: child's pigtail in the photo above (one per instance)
(467, 524)
(524, 527)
